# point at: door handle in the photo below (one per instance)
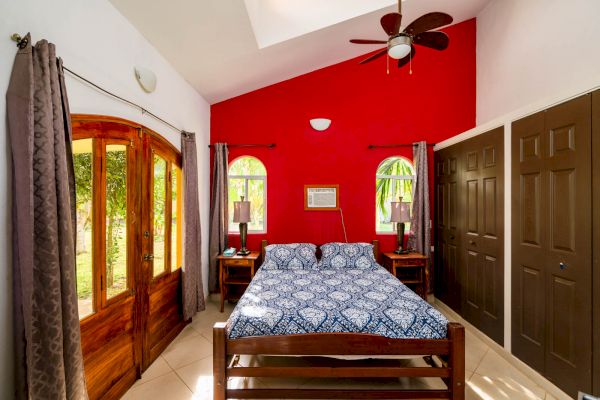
(472, 242)
(148, 257)
(562, 266)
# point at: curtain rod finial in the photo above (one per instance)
(21, 41)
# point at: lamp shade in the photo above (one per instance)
(241, 211)
(400, 211)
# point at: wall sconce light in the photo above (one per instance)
(146, 78)
(320, 124)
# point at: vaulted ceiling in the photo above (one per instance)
(225, 48)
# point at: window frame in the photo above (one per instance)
(100, 299)
(247, 178)
(156, 147)
(395, 179)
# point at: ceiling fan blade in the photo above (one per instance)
(405, 60)
(434, 40)
(428, 22)
(374, 56)
(391, 23)
(367, 41)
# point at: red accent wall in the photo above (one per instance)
(366, 106)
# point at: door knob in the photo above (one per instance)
(562, 265)
(452, 237)
(472, 242)
(148, 257)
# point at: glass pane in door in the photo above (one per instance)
(116, 219)
(159, 213)
(176, 217)
(83, 162)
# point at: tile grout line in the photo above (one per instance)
(481, 359)
(156, 377)
(190, 363)
(182, 381)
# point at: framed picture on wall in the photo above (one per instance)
(321, 197)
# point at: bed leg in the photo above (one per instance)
(456, 360)
(219, 361)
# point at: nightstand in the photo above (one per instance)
(235, 273)
(411, 269)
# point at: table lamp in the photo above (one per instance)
(241, 214)
(400, 214)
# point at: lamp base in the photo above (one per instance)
(401, 251)
(243, 234)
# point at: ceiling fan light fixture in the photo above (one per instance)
(399, 47)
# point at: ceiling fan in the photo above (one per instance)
(400, 45)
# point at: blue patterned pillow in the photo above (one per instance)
(347, 255)
(290, 256)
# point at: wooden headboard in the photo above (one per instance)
(375, 243)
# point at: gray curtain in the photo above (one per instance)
(420, 237)
(49, 363)
(193, 292)
(218, 213)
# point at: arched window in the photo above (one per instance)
(395, 177)
(248, 178)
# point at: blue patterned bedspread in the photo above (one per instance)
(371, 300)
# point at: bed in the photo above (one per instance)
(342, 315)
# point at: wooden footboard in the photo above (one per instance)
(451, 352)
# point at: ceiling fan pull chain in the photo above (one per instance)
(410, 64)
(387, 59)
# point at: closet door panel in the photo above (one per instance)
(569, 256)
(596, 239)
(447, 227)
(528, 274)
(491, 234)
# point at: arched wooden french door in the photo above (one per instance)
(128, 202)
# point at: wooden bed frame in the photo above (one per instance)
(449, 352)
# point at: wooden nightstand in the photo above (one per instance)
(235, 273)
(411, 269)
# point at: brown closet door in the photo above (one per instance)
(552, 243)
(528, 236)
(483, 234)
(569, 254)
(596, 238)
(447, 227)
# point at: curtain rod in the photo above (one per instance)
(22, 43)
(385, 146)
(267, 145)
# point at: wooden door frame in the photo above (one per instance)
(95, 126)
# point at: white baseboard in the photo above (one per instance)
(514, 361)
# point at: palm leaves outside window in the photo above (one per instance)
(394, 178)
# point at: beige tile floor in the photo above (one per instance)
(184, 370)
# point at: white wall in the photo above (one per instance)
(533, 52)
(99, 43)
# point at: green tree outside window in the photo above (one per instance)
(394, 178)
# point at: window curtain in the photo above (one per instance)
(218, 213)
(420, 236)
(193, 291)
(49, 364)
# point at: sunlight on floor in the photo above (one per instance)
(203, 389)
